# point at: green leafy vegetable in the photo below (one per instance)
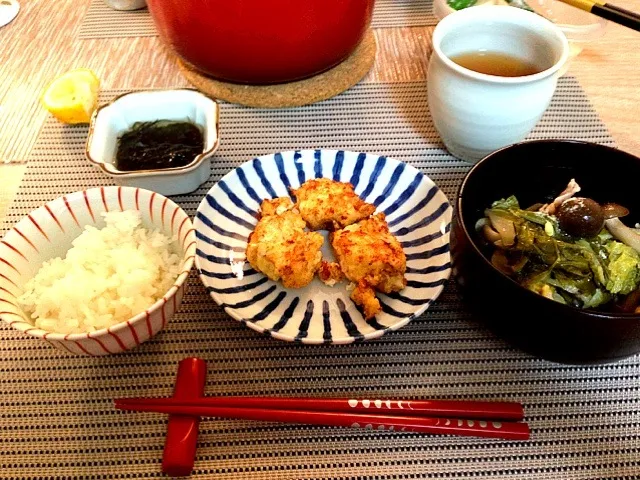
(584, 273)
(460, 4)
(624, 274)
(506, 203)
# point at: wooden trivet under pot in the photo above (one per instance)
(293, 94)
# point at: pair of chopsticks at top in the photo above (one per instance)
(608, 11)
(467, 418)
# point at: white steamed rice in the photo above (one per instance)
(108, 276)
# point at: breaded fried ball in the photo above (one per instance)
(371, 257)
(280, 247)
(329, 205)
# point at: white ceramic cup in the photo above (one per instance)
(476, 113)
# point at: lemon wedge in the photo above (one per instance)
(73, 96)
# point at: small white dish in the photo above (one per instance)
(418, 213)
(113, 119)
(8, 11)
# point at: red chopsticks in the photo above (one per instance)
(181, 441)
(439, 408)
(481, 419)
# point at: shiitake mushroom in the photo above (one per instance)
(613, 210)
(580, 217)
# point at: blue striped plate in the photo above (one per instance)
(418, 213)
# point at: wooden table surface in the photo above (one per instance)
(42, 42)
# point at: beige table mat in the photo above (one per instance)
(11, 174)
(101, 21)
(56, 415)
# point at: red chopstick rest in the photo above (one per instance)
(182, 430)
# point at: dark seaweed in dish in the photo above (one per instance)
(158, 145)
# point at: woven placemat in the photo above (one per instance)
(57, 419)
(101, 21)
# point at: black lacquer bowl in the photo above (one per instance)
(536, 171)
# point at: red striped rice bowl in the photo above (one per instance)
(48, 232)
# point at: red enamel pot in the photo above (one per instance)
(262, 41)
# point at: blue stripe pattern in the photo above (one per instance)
(392, 311)
(286, 316)
(352, 329)
(374, 177)
(326, 322)
(257, 166)
(372, 322)
(310, 314)
(219, 230)
(236, 200)
(404, 196)
(393, 181)
(430, 269)
(283, 176)
(417, 207)
(357, 170)
(337, 166)
(406, 300)
(225, 275)
(240, 288)
(209, 257)
(433, 284)
(422, 240)
(424, 221)
(303, 330)
(247, 187)
(266, 311)
(250, 301)
(218, 244)
(299, 167)
(428, 253)
(317, 164)
(227, 214)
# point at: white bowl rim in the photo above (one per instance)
(488, 12)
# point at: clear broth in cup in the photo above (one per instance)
(498, 64)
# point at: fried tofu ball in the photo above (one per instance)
(371, 257)
(280, 247)
(329, 205)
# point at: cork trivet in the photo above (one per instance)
(303, 92)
